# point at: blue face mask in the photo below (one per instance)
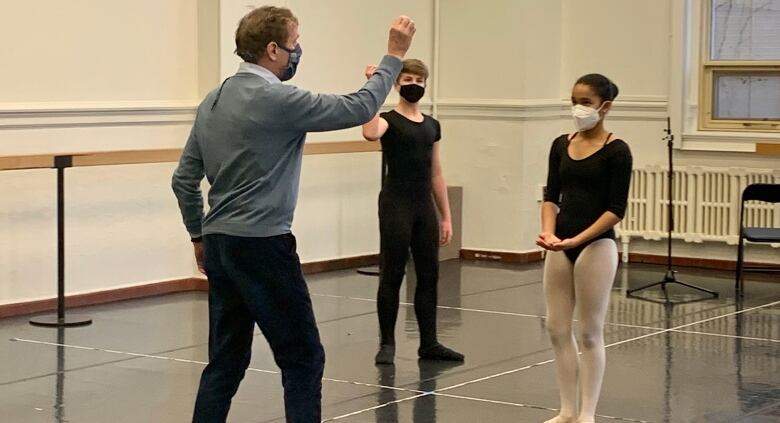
(292, 63)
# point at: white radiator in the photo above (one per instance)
(706, 204)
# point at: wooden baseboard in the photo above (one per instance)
(533, 256)
(162, 288)
(201, 284)
(716, 264)
(501, 256)
(340, 264)
(108, 296)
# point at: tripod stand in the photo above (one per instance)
(669, 277)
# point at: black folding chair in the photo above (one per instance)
(769, 193)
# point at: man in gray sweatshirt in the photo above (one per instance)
(248, 139)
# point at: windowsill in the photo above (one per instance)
(737, 142)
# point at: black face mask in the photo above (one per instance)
(412, 92)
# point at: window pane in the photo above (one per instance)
(746, 96)
(745, 30)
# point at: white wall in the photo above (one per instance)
(125, 75)
(500, 116)
(337, 208)
(506, 72)
(90, 75)
(499, 108)
(128, 76)
(627, 40)
(339, 38)
(91, 50)
(337, 212)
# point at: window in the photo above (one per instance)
(741, 66)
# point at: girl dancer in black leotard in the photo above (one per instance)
(587, 189)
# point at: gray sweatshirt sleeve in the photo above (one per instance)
(186, 186)
(306, 111)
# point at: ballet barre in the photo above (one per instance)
(107, 158)
(768, 149)
(62, 161)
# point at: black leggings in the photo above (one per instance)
(408, 220)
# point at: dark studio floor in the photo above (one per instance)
(716, 360)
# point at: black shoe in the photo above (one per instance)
(386, 354)
(439, 352)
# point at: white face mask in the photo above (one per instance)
(585, 117)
